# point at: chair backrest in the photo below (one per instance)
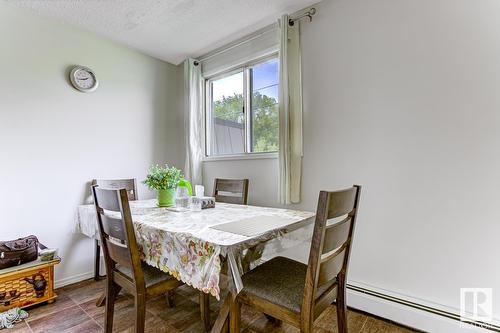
(128, 184)
(233, 191)
(117, 231)
(330, 249)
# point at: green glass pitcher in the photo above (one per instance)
(183, 192)
(183, 183)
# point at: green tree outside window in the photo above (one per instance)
(265, 118)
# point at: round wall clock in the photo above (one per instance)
(83, 79)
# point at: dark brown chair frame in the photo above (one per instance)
(327, 267)
(120, 248)
(131, 186)
(234, 186)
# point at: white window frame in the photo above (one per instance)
(245, 69)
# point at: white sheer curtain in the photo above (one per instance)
(193, 92)
(290, 113)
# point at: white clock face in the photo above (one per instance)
(83, 79)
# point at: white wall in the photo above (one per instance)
(403, 98)
(54, 139)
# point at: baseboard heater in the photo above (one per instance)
(422, 307)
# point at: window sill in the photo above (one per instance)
(254, 156)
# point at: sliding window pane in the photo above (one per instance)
(265, 115)
(227, 117)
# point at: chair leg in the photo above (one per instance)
(170, 298)
(306, 328)
(341, 305)
(225, 328)
(205, 310)
(102, 299)
(140, 313)
(110, 307)
(234, 315)
(97, 261)
(307, 321)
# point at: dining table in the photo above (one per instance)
(193, 246)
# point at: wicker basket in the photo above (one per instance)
(27, 284)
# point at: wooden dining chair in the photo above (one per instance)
(128, 184)
(233, 191)
(123, 266)
(297, 293)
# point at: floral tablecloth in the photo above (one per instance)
(184, 245)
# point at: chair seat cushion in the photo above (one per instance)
(152, 275)
(280, 281)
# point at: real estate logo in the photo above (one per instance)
(476, 306)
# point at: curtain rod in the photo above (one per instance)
(309, 14)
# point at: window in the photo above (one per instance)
(231, 130)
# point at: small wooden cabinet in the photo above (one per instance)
(27, 284)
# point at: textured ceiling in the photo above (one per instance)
(171, 30)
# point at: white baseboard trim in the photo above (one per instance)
(73, 279)
(393, 311)
(408, 316)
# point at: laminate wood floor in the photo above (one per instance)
(75, 311)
